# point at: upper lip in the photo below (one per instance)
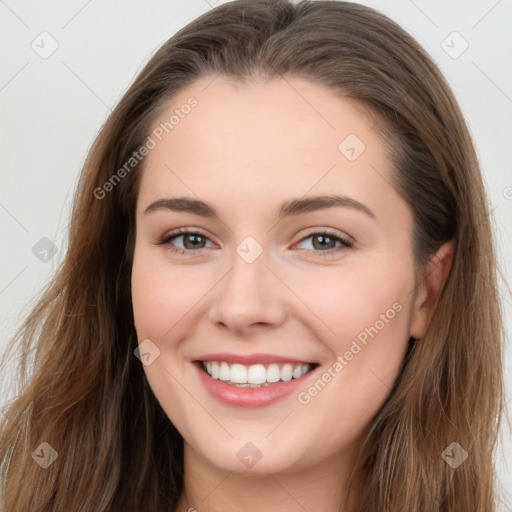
(248, 359)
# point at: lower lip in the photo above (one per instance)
(235, 396)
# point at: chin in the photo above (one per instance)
(246, 457)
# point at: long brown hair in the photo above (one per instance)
(82, 390)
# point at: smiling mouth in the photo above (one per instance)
(255, 375)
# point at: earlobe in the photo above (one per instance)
(429, 291)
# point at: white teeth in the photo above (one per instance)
(273, 373)
(238, 374)
(256, 374)
(224, 372)
(286, 372)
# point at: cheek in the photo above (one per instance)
(369, 312)
(162, 296)
(363, 303)
(163, 306)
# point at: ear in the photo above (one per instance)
(428, 292)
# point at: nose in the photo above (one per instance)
(250, 295)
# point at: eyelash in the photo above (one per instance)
(166, 239)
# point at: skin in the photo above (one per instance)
(245, 149)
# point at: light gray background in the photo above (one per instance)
(51, 109)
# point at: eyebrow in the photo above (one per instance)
(289, 208)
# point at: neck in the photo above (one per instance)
(321, 487)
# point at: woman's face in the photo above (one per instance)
(275, 278)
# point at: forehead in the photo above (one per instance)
(261, 139)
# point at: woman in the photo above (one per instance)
(279, 291)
